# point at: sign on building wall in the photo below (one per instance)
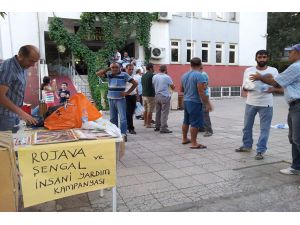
(55, 171)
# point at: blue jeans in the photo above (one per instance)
(265, 115)
(117, 107)
(294, 134)
(9, 123)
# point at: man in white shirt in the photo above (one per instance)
(259, 100)
(130, 101)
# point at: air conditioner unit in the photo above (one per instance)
(158, 53)
(166, 16)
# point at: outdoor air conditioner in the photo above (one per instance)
(166, 16)
(158, 53)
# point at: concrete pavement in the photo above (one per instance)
(158, 173)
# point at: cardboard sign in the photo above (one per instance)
(55, 171)
(8, 174)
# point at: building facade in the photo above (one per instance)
(225, 41)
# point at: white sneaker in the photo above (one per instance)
(290, 171)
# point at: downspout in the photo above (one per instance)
(191, 35)
(39, 64)
(10, 35)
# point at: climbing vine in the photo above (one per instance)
(116, 28)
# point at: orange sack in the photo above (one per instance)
(70, 117)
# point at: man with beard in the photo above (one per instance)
(289, 80)
(259, 100)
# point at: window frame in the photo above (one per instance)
(220, 90)
(175, 47)
(208, 51)
(220, 19)
(209, 17)
(235, 54)
(236, 17)
(193, 48)
(193, 14)
(222, 53)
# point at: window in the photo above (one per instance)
(206, 15)
(190, 51)
(190, 14)
(219, 53)
(235, 91)
(233, 16)
(225, 91)
(175, 51)
(177, 13)
(215, 92)
(232, 54)
(220, 16)
(205, 52)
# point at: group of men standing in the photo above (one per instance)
(123, 93)
(259, 81)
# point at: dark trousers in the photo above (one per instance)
(130, 107)
(207, 122)
(294, 134)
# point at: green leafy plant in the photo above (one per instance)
(116, 28)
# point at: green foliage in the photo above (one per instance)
(93, 60)
(116, 28)
(279, 65)
(283, 31)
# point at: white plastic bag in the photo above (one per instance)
(110, 128)
(139, 109)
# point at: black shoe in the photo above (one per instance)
(125, 138)
(157, 129)
(259, 156)
(166, 131)
(132, 132)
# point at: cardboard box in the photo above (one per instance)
(8, 174)
(120, 148)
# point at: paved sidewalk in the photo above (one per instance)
(158, 173)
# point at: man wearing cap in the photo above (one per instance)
(290, 81)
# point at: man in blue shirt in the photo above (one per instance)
(13, 75)
(116, 94)
(193, 86)
(290, 81)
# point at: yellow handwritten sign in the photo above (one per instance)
(59, 170)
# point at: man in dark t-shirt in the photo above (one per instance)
(148, 94)
(64, 93)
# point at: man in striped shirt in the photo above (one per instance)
(13, 76)
(116, 94)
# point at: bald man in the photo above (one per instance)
(13, 75)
